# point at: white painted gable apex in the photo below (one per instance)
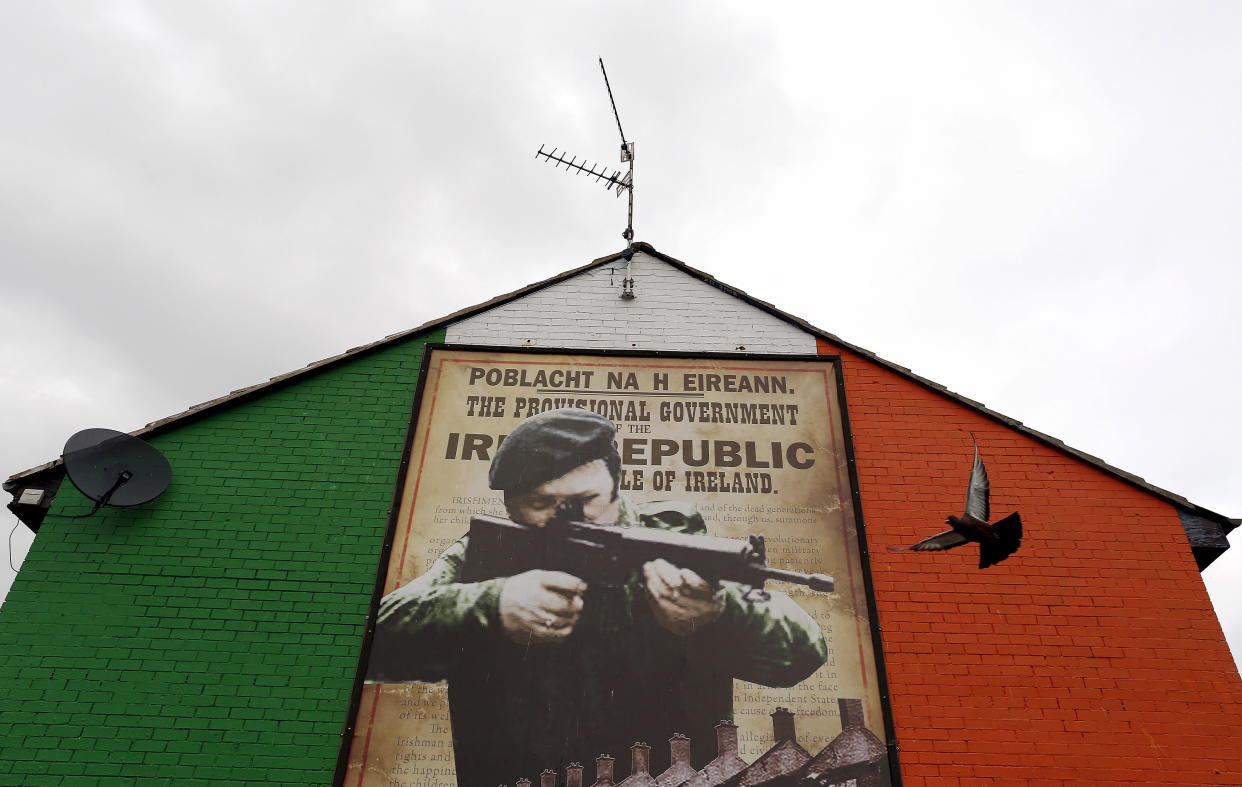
(672, 311)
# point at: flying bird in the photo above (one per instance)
(996, 541)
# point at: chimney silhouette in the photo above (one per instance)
(640, 758)
(603, 771)
(679, 768)
(573, 774)
(851, 712)
(547, 778)
(679, 748)
(783, 726)
(726, 737)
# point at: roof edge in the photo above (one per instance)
(241, 394)
(1227, 524)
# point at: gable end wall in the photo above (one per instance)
(212, 638)
(672, 311)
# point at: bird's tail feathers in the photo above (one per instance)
(1009, 535)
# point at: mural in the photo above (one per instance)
(591, 551)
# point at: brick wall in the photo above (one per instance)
(1092, 657)
(673, 311)
(212, 636)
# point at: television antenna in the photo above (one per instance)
(613, 179)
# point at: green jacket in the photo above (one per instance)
(618, 678)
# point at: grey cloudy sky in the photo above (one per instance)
(1035, 204)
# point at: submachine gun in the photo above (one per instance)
(609, 555)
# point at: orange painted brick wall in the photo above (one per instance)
(1092, 656)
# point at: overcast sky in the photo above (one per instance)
(1035, 204)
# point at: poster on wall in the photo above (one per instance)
(611, 566)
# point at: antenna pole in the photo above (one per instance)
(627, 154)
(611, 180)
(629, 221)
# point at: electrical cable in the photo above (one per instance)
(11, 532)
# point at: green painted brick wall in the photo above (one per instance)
(211, 637)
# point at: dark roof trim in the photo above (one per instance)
(1183, 505)
(1207, 536)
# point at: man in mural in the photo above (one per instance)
(542, 667)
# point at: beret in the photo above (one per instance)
(547, 446)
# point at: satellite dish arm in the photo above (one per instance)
(124, 476)
(102, 501)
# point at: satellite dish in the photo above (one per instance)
(115, 469)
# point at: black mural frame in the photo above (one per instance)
(381, 572)
(864, 555)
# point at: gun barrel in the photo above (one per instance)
(500, 547)
(820, 582)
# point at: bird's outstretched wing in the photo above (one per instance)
(937, 543)
(979, 491)
(1008, 538)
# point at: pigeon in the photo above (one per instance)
(996, 541)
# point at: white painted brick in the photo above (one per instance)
(672, 311)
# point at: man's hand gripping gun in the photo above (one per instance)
(609, 555)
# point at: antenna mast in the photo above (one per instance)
(627, 154)
(622, 182)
